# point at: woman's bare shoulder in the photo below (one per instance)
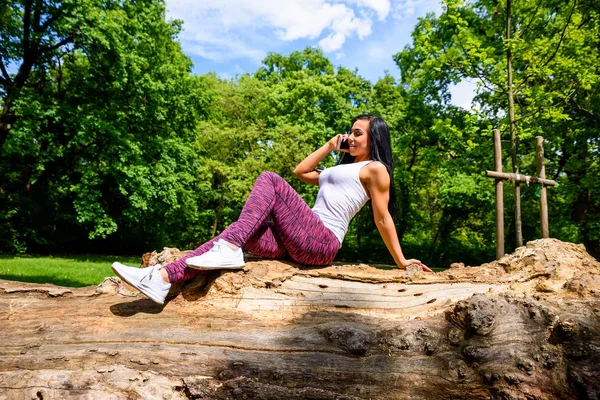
(376, 166)
(374, 172)
(376, 169)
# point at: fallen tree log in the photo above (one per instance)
(524, 327)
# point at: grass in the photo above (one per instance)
(71, 270)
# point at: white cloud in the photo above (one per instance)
(332, 42)
(381, 7)
(223, 30)
(463, 93)
(405, 9)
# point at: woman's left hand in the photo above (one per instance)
(424, 267)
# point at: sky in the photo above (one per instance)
(231, 37)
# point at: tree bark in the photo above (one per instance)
(525, 326)
(511, 124)
(499, 186)
(539, 156)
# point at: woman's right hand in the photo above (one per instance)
(335, 141)
(305, 171)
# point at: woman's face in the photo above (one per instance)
(359, 140)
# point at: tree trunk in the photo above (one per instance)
(4, 130)
(513, 135)
(525, 326)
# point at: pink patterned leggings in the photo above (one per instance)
(295, 231)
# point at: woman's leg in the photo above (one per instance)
(179, 271)
(302, 233)
(266, 243)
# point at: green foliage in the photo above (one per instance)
(102, 132)
(554, 48)
(116, 147)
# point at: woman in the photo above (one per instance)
(311, 237)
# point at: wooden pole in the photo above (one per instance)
(519, 178)
(516, 178)
(518, 224)
(499, 197)
(539, 152)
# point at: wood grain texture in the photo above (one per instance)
(524, 327)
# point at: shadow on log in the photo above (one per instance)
(524, 327)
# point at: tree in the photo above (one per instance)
(540, 43)
(103, 139)
(524, 327)
(34, 32)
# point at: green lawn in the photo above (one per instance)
(71, 270)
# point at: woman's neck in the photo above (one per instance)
(361, 158)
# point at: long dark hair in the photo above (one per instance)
(381, 150)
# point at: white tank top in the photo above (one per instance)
(341, 195)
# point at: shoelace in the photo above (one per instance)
(216, 247)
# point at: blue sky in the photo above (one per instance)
(231, 37)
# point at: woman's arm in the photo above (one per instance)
(305, 171)
(378, 184)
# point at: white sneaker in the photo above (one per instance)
(146, 280)
(221, 256)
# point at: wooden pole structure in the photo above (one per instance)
(518, 223)
(516, 179)
(520, 178)
(539, 151)
(499, 197)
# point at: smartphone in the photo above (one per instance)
(343, 144)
